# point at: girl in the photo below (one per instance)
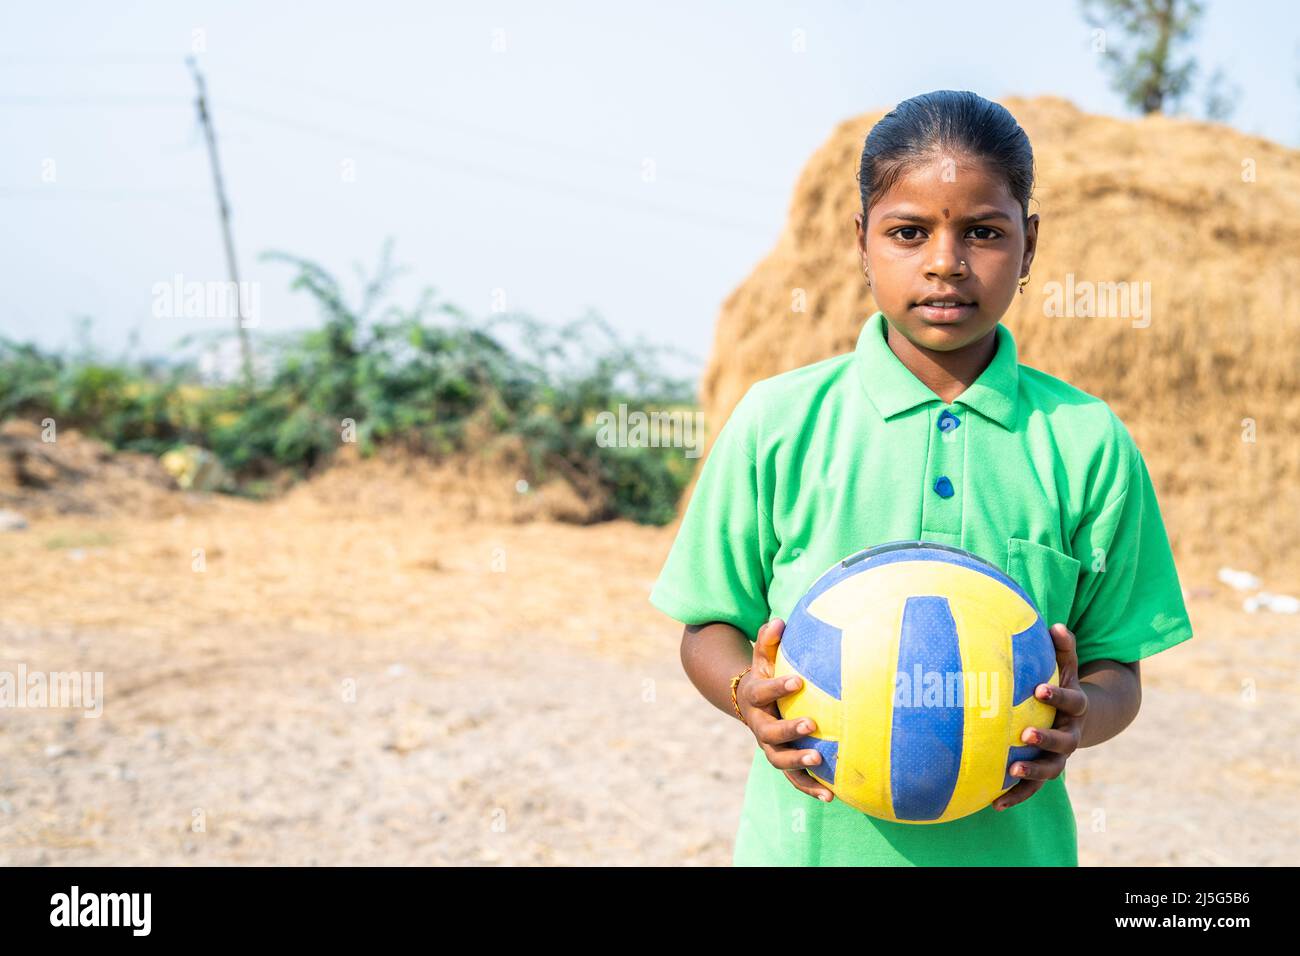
(929, 430)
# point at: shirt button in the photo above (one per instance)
(943, 486)
(948, 421)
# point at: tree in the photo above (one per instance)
(1150, 73)
(1220, 98)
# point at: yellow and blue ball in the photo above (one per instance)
(919, 664)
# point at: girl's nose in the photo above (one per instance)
(945, 260)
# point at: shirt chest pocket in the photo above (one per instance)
(1046, 575)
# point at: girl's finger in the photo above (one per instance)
(1067, 700)
(1017, 794)
(1045, 768)
(1063, 641)
(784, 731)
(787, 758)
(804, 782)
(762, 692)
(1057, 741)
(765, 645)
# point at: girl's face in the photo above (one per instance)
(958, 237)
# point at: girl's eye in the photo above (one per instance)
(908, 233)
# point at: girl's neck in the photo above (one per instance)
(947, 374)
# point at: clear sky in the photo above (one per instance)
(518, 171)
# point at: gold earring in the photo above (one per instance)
(1023, 283)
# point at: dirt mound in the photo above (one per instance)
(485, 484)
(1207, 215)
(79, 475)
(73, 474)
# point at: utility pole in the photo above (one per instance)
(223, 207)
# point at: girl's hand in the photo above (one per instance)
(757, 694)
(1071, 705)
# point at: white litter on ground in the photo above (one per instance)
(1277, 603)
(1241, 580)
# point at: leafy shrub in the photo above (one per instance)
(416, 377)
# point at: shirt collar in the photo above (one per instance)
(893, 388)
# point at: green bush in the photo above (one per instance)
(412, 376)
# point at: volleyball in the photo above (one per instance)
(919, 663)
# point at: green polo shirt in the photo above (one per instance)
(1022, 469)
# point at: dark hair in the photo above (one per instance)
(945, 122)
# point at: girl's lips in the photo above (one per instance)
(936, 313)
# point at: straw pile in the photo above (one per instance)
(1207, 215)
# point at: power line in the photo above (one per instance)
(98, 100)
(592, 155)
(103, 193)
(108, 59)
(588, 154)
(397, 150)
(515, 177)
(468, 167)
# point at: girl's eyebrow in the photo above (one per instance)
(978, 217)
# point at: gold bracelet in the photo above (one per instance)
(735, 682)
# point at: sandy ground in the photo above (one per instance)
(334, 689)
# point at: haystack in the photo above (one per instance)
(1207, 215)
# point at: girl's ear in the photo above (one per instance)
(1031, 242)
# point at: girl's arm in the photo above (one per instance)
(1088, 712)
(712, 654)
(1114, 692)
